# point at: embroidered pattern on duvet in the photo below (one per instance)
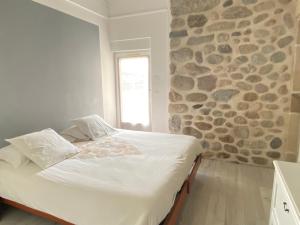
(106, 147)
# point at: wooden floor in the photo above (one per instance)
(222, 194)
(229, 194)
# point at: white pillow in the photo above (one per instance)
(93, 126)
(10, 155)
(73, 134)
(45, 148)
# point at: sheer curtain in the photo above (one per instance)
(134, 92)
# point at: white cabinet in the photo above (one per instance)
(273, 220)
(286, 194)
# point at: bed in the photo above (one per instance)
(145, 184)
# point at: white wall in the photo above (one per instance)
(124, 7)
(107, 72)
(155, 26)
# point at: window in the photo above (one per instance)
(133, 91)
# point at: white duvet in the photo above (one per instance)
(132, 187)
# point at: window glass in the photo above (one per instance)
(134, 90)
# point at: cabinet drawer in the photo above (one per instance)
(283, 207)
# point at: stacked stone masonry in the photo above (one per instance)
(231, 66)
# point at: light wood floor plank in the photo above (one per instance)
(222, 194)
(229, 194)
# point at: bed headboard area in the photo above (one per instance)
(49, 68)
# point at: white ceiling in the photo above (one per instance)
(122, 7)
(98, 6)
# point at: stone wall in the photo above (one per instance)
(231, 65)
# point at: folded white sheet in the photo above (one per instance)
(127, 189)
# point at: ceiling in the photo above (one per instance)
(114, 8)
(98, 6)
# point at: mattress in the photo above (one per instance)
(132, 187)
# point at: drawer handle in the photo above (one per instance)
(285, 207)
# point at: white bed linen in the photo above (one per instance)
(125, 190)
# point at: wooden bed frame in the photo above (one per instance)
(171, 218)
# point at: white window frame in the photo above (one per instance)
(131, 54)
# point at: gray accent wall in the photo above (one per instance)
(49, 68)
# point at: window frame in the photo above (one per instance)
(131, 54)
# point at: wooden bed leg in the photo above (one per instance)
(1, 208)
